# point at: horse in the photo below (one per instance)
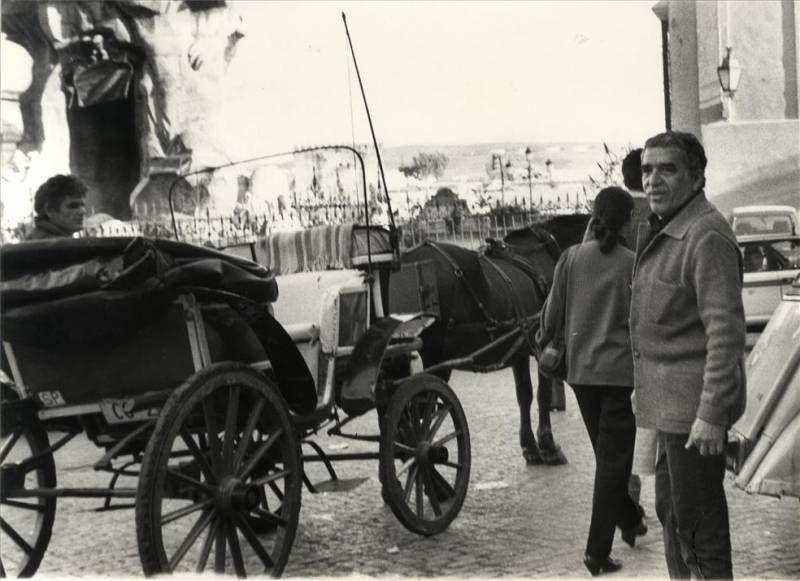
(567, 229)
(483, 295)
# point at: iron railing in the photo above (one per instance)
(220, 231)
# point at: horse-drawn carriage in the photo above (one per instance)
(167, 356)
(195, 376)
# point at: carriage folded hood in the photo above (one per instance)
(62, 291)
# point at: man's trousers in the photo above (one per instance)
(691, 505)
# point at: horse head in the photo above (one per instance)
(534, 238)
(568, 229)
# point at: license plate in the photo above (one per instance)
(120, 411)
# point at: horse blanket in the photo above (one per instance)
(317, 248)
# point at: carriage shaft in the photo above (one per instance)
(469, 360)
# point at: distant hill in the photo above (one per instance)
(570, 160)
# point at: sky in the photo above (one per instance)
(446, 73)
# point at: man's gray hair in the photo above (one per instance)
(686, 142)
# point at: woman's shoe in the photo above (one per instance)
(637, 530)
(601, 566)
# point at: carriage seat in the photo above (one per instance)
(325, 313)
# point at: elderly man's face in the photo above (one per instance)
(667, 179)
(69, 214)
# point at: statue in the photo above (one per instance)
(123, 90)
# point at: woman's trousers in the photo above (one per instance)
(609, 420)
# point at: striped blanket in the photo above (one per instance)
(317, 248)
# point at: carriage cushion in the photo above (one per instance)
(336, 301)
(344, 316)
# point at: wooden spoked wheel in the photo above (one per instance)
(424, 454)
(26, 520)
(221, 478)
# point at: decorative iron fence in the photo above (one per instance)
(468, 231)
(243, 227)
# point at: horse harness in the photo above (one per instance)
(459, 274)
(492, 324)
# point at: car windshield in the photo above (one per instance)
(763, 224)
(767, 255)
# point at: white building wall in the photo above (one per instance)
(754, 146)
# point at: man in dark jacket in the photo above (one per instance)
(687, 336)
(60, 205)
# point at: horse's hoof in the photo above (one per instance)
(532, 457)
(554, 456)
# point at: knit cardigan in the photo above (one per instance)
(687, 323)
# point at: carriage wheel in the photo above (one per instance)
(26, 521)
(222, 471)
(425, 455)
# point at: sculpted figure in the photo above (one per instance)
(136, 81)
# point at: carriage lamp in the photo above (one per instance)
(729, 73)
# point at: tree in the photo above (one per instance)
(610, 169)
(424, 165)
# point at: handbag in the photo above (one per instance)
(552, 359)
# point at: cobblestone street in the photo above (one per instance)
(517, 521)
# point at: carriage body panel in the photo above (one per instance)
(82, 326)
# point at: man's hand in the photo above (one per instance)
(709, 439)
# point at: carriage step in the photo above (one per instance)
(340, 484)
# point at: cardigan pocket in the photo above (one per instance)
(669, 303)
(680, 395)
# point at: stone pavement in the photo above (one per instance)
(517, 521)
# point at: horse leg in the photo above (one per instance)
(551, 452)
(558, 402)
(524, 387)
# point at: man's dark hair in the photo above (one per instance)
(632, 170)
(686, 142)
(611, 209)
(55, 190)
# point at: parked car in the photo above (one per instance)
(771, 262)
(765, 219)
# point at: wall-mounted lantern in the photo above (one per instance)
(729, 73)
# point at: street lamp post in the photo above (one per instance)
(529, 159)
(503, 169)
(497, 162)
(502, 181)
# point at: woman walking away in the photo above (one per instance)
(593, 280)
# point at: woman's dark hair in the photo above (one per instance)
(611, 210)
